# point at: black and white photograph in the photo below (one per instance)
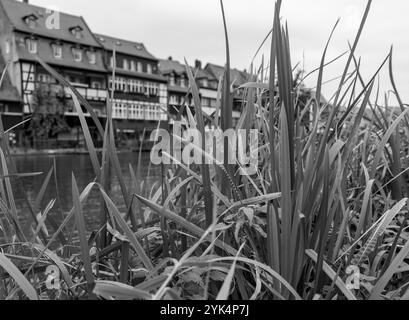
(204, 155)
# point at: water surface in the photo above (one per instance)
(80, 165)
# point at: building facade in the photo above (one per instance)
(140, 92)
(178, 85)
(237, 78)
(68, 45)
(147, 92)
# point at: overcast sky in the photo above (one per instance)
(194, 29)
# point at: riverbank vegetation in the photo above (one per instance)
(324, 217)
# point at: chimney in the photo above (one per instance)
(170, 58)
(198, 64)
(25, 1)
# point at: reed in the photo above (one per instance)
(328, 195)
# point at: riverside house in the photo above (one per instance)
(140, 91)
(177, 78)
(147, 92)
(69, 46)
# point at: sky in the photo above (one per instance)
(193, 29)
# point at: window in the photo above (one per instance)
(133, 85)
(140, 112)
(32, 46)
(57, 51)
(120, 84)
(92, 57)
(139, 86)
(133, 66)
(147, 88)
(31, 21)
(140, 68)
(77, 54)
(153, 89)
(116, 110)
(96, 85)
(111, 62)
(44, 78)
(174, 100)
(149, 70)
(125, 65)
(205, 102)
(172, 79)
(182, 81)
(76, 32)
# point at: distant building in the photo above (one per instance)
(140, 91)
(208, 88)
(238, 78)
(207, 80)
(178, 84)
(147, 92)
(69, 47)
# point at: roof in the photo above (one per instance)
(167, 66)
(203, 73)
(173, 66)
(237, 76)
(16, 11)
(127, 47)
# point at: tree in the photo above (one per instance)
(48, 107)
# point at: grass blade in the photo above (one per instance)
(15, 273)
(82, 235)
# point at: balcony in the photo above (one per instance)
(90, 94)
(139, 112)
(96, 94)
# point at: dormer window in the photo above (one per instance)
(133, 66)
(140, 68)
(31, 21)
(92, 58)
(76, 32)
(172, 79)
(32, 46)
(149, 70)
(125, 65)
(182, 81)
(77, 53)
(57, 51)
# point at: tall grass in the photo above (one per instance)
(321, 204)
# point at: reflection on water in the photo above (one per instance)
(80, 165)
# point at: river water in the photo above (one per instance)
(80, 165)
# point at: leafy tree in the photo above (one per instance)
(48, 107)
